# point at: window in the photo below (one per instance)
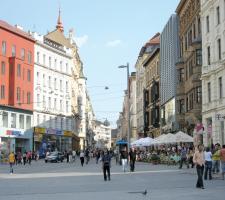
(219, 48)
(28, 98)
(29, 56)
(218, 14)
(44, 102)
(22, 54)
(50, 62)
(38, 57)
(13, 120)
(67, 106)
(60, 85)
(18, 70)
(49, 81)
(2, 67)
(220, 88)
(198, 57)
(38, 100)
(60, 66)
(28, 122)
(55, 84)
(21, 121)
(44, 59)
(13, 50)
(2, 92)
(55, 103)
(191, 97)
(5, 119)
(66, 86)
(187, 108)
(50, 122)
(28, 75)
(49, 102)
(208, 55)
(4, 48)
(61, 108)
(181, 106)
(55, 64)
(67, 123)
(44, 80)
(194, 31)
(199, 26)
(198, 94)
(18, 94)
(207, 24)
(209, 92)
(67, 69)
(38, 119)
(181, 75)
(190, 66)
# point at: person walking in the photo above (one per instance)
(222, 158)
(24, 158)
(82, 158)
(216, 159)
(11, 161)
(106, 164)
(199, 160)
(208, 164)
(124, 157)
(132, 158)
(183, 156)
(87, 156)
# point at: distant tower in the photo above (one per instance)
(59, 25)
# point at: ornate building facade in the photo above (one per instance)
(189, 97)
(151, 95)
(213, 70)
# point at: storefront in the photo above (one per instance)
(15, 140)
(52, 140)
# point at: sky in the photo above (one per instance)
(109, 33)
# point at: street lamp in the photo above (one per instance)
(128, 105)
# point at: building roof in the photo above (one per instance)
(155, 40)
(15, 30)
(58, 37)
(180, 6)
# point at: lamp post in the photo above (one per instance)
(128, 105)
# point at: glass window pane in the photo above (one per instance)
(5, 119)
(28, 122)
(13, 120)
(21, 120)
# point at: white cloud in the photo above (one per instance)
(113, 43)
(81, 41)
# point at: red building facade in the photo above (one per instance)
(16, 89)
(16, 67)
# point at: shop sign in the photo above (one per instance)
(220, 117)
(51, 131)
(59, 132)
(38, 137)
(39, 130)
(14, 133)
(68, 133)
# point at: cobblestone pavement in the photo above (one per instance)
(71, 181)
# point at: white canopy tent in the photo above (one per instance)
(183, 137)
(143, 142)
(165, 139)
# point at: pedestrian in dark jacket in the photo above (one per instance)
(106, 164)
(132, 157)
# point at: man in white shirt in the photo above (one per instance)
(208, 164)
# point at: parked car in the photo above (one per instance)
(54, 157)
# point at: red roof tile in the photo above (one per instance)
(15, 30)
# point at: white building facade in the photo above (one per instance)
(53, 122)
(102, 136)
(213, 71)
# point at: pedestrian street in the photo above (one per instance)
(56, 181)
